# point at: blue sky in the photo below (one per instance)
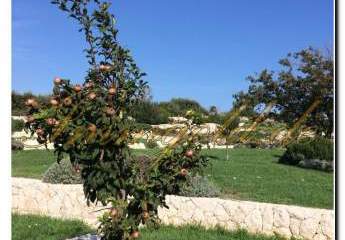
(198, 49)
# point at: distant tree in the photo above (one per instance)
(306, 77)
(149, 112)
(213, 110)
(179, 106)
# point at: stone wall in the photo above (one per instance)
(67, 201)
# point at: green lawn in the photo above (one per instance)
(249, 174)
(46, 228)
(33, 227)
(31, 163)
(255, 174)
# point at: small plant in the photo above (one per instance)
(151, 143)
(138, 127)
(199, 186)
(306, 150)
(17, 125)
(63, 173)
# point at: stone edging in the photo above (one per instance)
(67, 201)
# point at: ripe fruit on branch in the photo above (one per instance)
(77, 88)
(112, 91)
(57, 81)
(54, 102)
(183, 172)
(113, 212)
(51, 121)
(110, 111)
(67, 101)
(105, 67)
(189, 153)
(77, 168)
(92, 96)
(31, 102)
(135, 234)
(92, 128)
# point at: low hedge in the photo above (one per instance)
(17, 125)
(309, 152)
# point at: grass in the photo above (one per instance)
(34, 227)
(192, 232)
(46, 228)
(31, 163)
(255, 174)
(249, 174)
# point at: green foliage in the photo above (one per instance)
(306, 77)
(200, 186)
(318, 148)
(151, 143)
(92, 124)
(62, 173)
(17, 125)
(17, 145)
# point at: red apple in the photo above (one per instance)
(31, 102)
(50, 121)
(189, 153)
(92, 96)
(92, 128)
(183, 172)
(77, 88)
(112, 91)
(67, 101)
(113, 212)
(105, 67)
(54, 102)
(110, 111)
(135, 234)
(57, 80)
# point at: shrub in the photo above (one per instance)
(199, 186)
(62, 173)
(151, 143)
(17, 145)
(17, 125)
(307, 149)
(138, 127)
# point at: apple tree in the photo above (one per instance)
(90, 123)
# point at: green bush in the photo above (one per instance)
(151, 143)
(62, 173)
(17, 125)
(319, 148)
(199, 186)
(142, 127)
